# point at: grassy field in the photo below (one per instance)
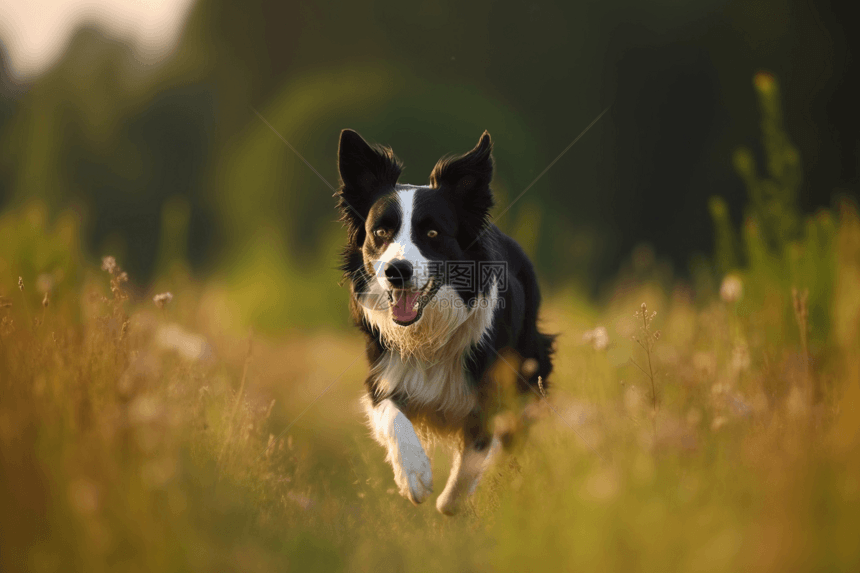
(137, 436)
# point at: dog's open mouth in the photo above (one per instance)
(408, 304)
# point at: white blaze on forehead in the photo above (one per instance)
(402, 246)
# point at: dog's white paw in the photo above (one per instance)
(412, 471)
(466, 472)
(448, 503)
(418, 482)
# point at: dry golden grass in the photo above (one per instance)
(134, 436)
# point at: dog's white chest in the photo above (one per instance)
(424, 365)
(441, 388)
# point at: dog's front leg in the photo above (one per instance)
(395, 432)
(477, 452)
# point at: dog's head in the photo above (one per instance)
(404, 240)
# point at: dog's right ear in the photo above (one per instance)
(366, 172)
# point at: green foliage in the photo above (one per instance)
(779, 249)
(46, 252)
(773, 198)
(724, 235)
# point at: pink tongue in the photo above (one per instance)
(403, 305)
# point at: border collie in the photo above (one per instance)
(442, 296)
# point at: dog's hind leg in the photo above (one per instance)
(395, 432)
(476, 454)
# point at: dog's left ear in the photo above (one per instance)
(466, 178)
(365, 169)
(467, 172)
(366, 172)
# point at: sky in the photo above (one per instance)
(36, 32)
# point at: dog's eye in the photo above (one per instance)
(381, 233)
(432, 233)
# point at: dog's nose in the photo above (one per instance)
(398, 272)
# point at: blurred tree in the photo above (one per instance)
(7, 109)
(103, 134)
(118, 139)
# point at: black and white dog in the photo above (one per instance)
(441, 295)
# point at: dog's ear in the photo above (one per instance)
(366, 171)
(465, 173)
(466, 179)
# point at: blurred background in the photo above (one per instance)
(139, 118)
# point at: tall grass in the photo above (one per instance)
(132, 441)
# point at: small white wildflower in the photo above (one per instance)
(598, 338)
(189, 345)
(109, 264)
(731, 289)
(45, 283)
(161, 300)
(530, 367)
